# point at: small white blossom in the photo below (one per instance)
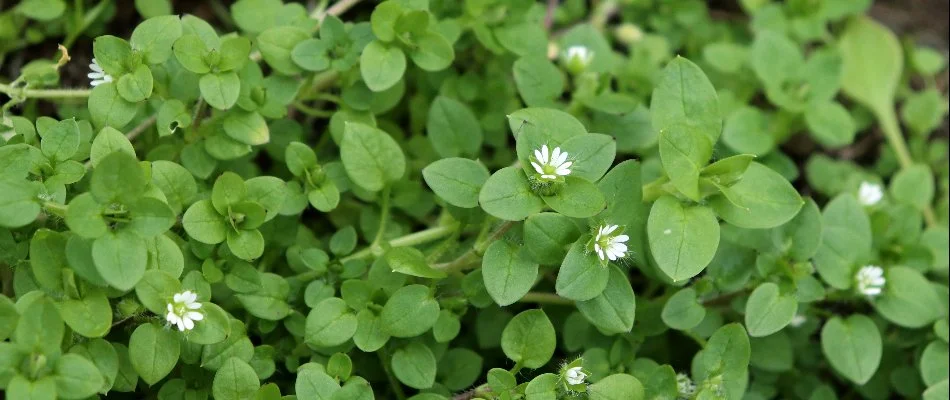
(684, 386)
(575, 376)
(870, 280)
(609, 246)
(870, 193)
(98, 76)
(798, 320)
(182, 312)
(577, 58)
(552, 164)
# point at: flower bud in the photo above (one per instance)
(577, 58)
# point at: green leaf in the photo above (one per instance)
(747, 130)
(846, 238)
(235, 380)
(41, 389)
(613, 310)
(431, 52)
(172, 116)
(156, 289)
(540, 83)
(40, 328)
(592, 155)
(268, 192)
(685, 100)
(872, 63)
(276, 45)
(234, 53)
(410, 261)
(108, 108)
(852, 346)
(683, 311)
(76, 377)
(933, 362)
(203, 223)
(191, 53)
(299, 158)
(383, 20)
(369, 335)
(90, 316)
(155, 36)
(508, 195)
(908, 299)
(48, 259)
(118, 177)
(246, 244)
(452, 128)
(547, 236)
(684, 153)
(529, 339)
(381, 65)
(41, 10)
(410, 311)
(311, 54)
(175, 182)
(221, 90)
(18, 203)
(761, 199)
(577, 199)
(324, 197)
(616, 386)
(508, 274)
(136, 85)
(371, 157)
(549, 126)
(330, 323)
(831, 124)
(246, 127)
(149, 217)
(456, 180)
(112, 54)
(582, 276)
(727, 355)
(914, 186)
(120, 258)
(768, 311)
(414, 365)
(61, 141)
(153, 351)
(108, 141)
(314, 383)
(683, 239)
(775, 58)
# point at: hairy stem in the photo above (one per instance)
(895, 138)
(545, 298)
(44, 93)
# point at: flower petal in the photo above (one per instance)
(189, 324)
(194, 316)
(537, 167)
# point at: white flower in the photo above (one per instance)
(798, 320)
(870, 280)
(182, 311)
(608, 246)
(98, 76)
(684, 386)
(870, 193)
(575, 376)
(578, 57)
(551, 164)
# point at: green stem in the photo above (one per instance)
(384, 359)
(55, 208)
(411, 239)
(475, 253)
(44, 93)
(383, 217)
(895, 138)
(655, 189)
(545, 298)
